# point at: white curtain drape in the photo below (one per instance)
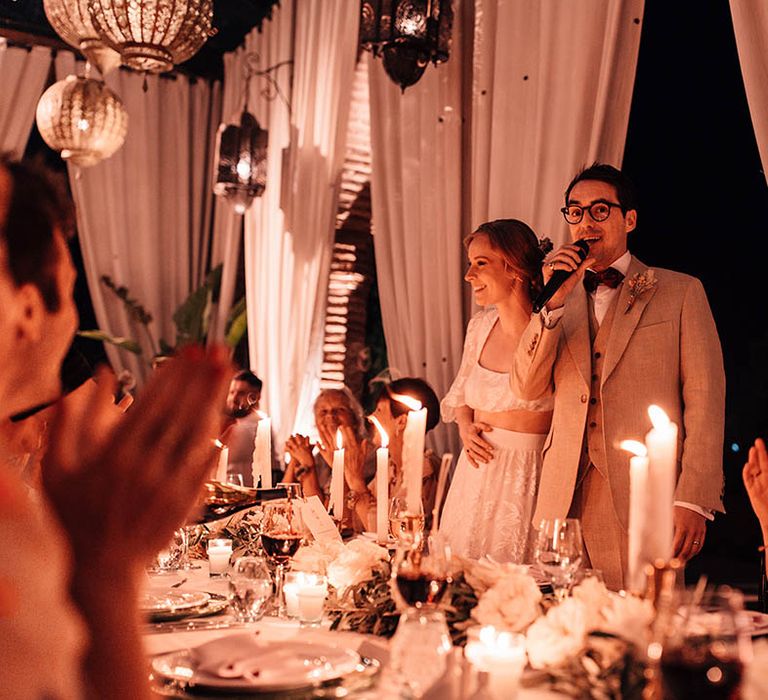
(144, 214)
(289, 231)
(416, 186)
(23, 73)
(552, 88)
(750, 24)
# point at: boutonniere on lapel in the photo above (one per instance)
(638, 284)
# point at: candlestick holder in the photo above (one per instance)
(661, 580)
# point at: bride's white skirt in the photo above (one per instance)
(488, 509)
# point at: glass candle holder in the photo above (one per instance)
(219, 554)
(311, 591)
(499, 654)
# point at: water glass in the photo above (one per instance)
(250, 588)
(559, 551)
(420, 648)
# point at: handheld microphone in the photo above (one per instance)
(557, 279)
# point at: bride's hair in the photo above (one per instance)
(522, 251)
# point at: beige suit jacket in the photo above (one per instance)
(665, 350)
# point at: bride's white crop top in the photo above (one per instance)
(480, 388)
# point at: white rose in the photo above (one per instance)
(628, 617)
(482, 574)
(594, 596)
(557, 636)
(355, 564)
(317, 556)
(512, 603)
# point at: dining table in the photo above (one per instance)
(164, 638)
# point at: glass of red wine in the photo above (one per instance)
(421, 574)
(280, 537)
(706, 646)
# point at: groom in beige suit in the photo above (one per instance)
(617, 337)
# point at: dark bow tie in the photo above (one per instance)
(610, 277)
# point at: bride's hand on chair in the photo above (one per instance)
(479, 451)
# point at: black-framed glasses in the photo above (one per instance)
(598, 211)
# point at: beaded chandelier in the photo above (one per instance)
(153, 35)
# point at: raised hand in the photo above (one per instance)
(300, 449)
(121, 488)
(355, 451)
(565, 258)
(755, 476)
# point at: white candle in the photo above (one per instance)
(638, 500)
(382, 484)
(219, 553)
(337, 480)
(262, 454)
(413, 451)
(502, 656)
(311, 592)
(661, 442)
(290, 591)
(221, 467)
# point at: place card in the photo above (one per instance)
(318, 521)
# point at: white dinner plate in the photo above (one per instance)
(171, 601)
(242, 663)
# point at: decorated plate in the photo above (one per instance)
(216, 604)
(153, 602)
(241, 663)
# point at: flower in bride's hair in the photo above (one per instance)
(545, 246)
(594, 596)
(557, 636)
(511, 604)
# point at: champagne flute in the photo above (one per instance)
(559, 552)
(280, 536)
(405, 526)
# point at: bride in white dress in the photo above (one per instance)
(491, 500)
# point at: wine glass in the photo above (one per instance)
(706, 645)
(250, 587)
(405, 525)
(559, 551)
(421, 577)
(281, 535)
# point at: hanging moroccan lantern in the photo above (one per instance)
(83, 119)
(153, 35)
(72, 22)
(407, 35)
(241, 157)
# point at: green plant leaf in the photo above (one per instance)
(237, 324)
(124, 343)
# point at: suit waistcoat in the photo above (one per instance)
(594, 433)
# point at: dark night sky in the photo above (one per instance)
(691, 151)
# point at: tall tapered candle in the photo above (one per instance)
(661, 442)
(413, 451)
(337, 479)
(221, 468)
(382, 484)
(262, 453)
(638, 485)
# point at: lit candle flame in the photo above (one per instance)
(382, 433)
(658, 417)
(413, 404)
(261, 414)
(636, 447)
(218, 443)
(339, 440)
